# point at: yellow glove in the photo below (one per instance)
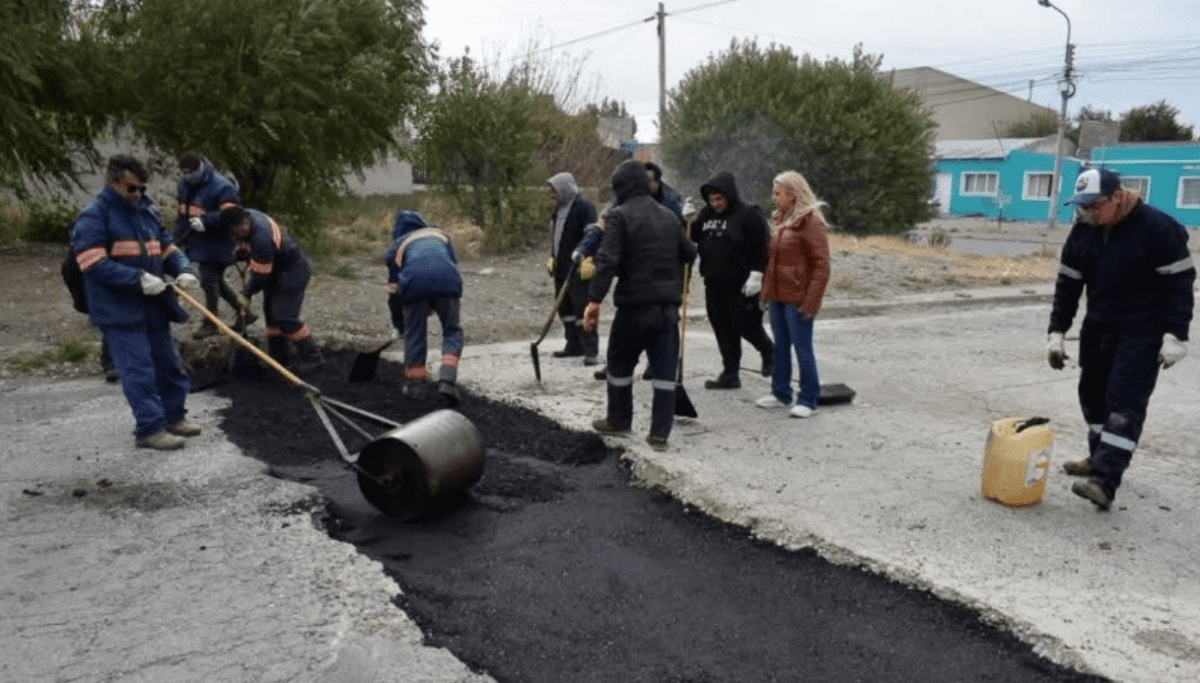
(587, 269)
(550, 266)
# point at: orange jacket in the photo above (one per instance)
(798, 264)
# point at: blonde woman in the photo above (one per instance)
(793, 285)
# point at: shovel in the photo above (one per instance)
(533, 346)
(365, 364)
(683, 404)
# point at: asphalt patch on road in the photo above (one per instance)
(554, 567)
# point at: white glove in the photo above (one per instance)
(753, 284)
(689, 210)
(187, 281)
(1172, 350)
(1055, 353)
(577, 256)
(152, 285)
(196, 224)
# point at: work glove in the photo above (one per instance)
(591, 316)
(187, 281)
(243, 301)
(1172, 350)
(196, 224)
(577, 256)
(550, 266)
(152, 285)
(753, 284)
(587, 269)
(689, 210)
(1055, 353)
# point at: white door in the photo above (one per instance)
(942, 193)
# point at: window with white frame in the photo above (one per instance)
(980, 184)
(1037, 186)
(1189, 192)
(1138, 184)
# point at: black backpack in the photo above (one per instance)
(71, 274)
(73, 278)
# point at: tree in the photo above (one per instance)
(1153, 123)
(48, 96)
(478, 144)
(1038, 125)
(864, 146)
(490, 140)
(1090, 113)
(287, 95)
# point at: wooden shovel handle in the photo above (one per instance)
(562, 294)
(244, 343)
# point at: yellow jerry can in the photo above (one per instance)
(1016, 460)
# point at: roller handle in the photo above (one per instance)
(244, 343)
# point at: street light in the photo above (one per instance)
(1067, 89)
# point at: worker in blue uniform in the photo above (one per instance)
(1132, 260)
(124, 253)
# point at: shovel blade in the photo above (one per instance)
(537, 366)
(365, 365)
(683, 403)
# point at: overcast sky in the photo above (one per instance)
(1126, 55)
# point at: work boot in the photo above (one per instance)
(414, 390)
(1078, 468)
(657, 442)
(567, 352)
(602, 373)
(591, 360)
(207, 329)
(724, 381)
(1100, 495)
(162, 440)
(449, 393)
(605, 427)
(111, 374)
(310, 356)
(278, 350)
(184, 427)
(647, 374)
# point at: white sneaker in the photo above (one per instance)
(801, 411)
(769, 401)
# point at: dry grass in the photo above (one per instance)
(870, 265)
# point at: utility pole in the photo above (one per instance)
(661, 17)
(1067, 89)
(662, 67)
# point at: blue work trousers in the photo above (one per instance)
(416, 333)
(1118, 370)
(152, 375)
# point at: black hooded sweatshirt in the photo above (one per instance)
(732, 243)
(643, 246)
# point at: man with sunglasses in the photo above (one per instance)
(1133, 262)
(124, 252)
